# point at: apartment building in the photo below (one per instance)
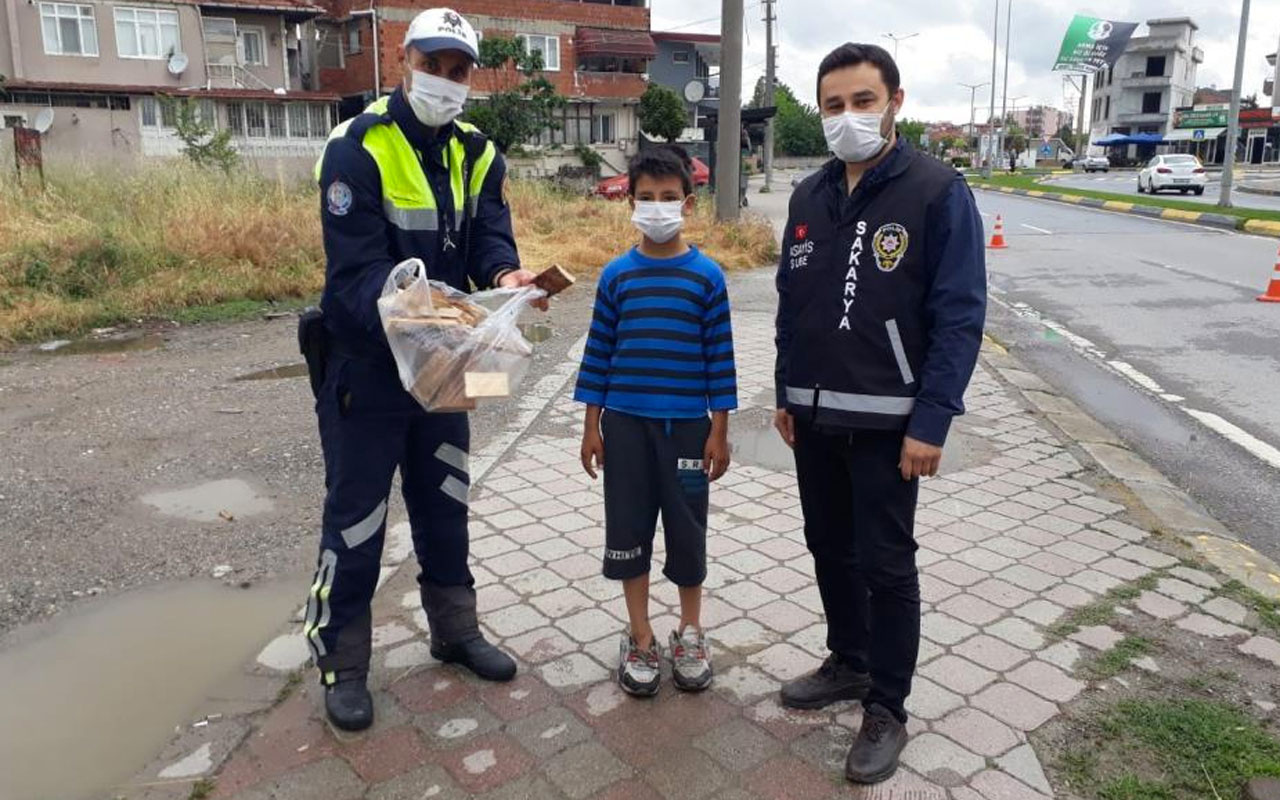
(597, 54)
(1154, 76)
(684, 63)
(1041, 120)
(95, 75)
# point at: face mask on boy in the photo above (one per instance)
(659, 221)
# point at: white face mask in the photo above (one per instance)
(855, 136)
(436, 101)
(659, 221)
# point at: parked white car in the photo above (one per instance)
(1095, 164)
(1183, 173)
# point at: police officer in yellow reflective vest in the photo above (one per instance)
(401, 180)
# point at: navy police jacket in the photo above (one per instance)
(393, 189)
(882, 297)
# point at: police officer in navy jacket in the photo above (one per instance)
(882, 297)
(405, 179)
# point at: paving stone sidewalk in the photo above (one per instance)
(1008, 545)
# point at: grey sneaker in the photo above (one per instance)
(690, 660)
(639, 671)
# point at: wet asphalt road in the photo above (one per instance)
(1174, 302)
(1127, 183)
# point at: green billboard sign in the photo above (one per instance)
(1092, 44)
(1200, 117)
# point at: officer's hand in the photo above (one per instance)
(519, 278)
(786, 426)
(592, 452)
(919, 459)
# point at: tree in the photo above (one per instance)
(1015, 139)
(524, 105)
(1249, 102)
(662, 113)
(797, 128)
(911, 130)
(202, 142)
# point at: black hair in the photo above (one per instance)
(661, 162)
(851, 55)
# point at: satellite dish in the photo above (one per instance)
(694, 91)
(44, 120)
(178, 63)
(279, 91)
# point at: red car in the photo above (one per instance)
(618, 186)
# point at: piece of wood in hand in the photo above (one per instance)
(486, 384)
(553, 280)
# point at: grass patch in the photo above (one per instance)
(201, 789)
(1267, 608)
(1184, 749)
(1102, 610)
(234, 310)
(1117, 659)
(100, 247)
(1032, 184)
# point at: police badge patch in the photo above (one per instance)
(890, 245)
(339, 198)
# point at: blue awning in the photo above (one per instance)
(1122, 139)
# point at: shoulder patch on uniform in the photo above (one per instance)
(890, 245)
(339, 198)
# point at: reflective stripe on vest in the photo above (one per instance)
(407, 199)
(859, 403)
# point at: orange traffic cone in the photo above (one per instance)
(1272, 294)
(997, 236)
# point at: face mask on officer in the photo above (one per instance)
(435, 100)
(659, 220)
(856, 136)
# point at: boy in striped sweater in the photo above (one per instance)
(659, 357)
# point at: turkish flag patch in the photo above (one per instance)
(802, 231)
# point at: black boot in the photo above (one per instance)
(874, 756)
(349, 704)
(455, 633)
(830, 683)
(486, 661)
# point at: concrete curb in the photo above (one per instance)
(1206, 218)
(1168, 507)
(1254, 190)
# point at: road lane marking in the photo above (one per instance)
(1243, 438)
(1251, 444)
(1034, 228)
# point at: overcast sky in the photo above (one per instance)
(954, 42)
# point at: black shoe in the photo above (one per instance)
(830, 683)
(349, 705)
(874, 756)
(486, 661)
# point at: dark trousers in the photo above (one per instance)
(858, 520)
(369, 428)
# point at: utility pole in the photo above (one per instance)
(895, 39)
(1004, 102)
(991, 118)
(1082, 130)
(1233, 120)
(769, 67)
(729, 121)
(973, 96)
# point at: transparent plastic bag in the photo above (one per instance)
(453, 349)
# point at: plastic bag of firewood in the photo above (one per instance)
(451, 349)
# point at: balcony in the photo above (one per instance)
(1152, 45)
(1141, 80)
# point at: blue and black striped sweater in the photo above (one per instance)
(661, 343)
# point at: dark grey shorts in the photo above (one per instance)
(652, 466)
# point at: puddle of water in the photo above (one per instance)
(210, 501)
(96, 346)
(103, 689)
(275, 373)
(537, 332)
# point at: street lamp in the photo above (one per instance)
(1233, 118)
(973, 94)
(895, 39)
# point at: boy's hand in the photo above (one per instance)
(592, 452)
(715, 456)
